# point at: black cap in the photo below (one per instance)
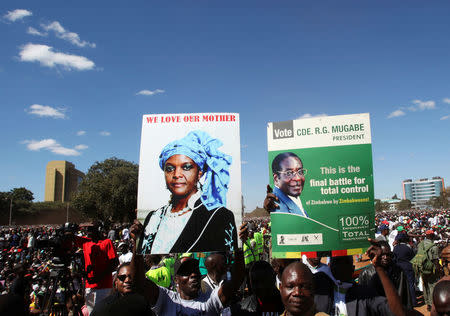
(186, 266)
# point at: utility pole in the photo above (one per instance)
(67, 213)
(10, 211)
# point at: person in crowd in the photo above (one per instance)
(125, 234)
(112, 234)
(315, 265)
(157, 271)
(404, 254)
(100, 261)
(123, 286)
(196, 218)
(19, 284)
(347, 298)
(126, 254)
(266, 299)
(384, 233)
(289, 180)
(188, 298)
(369, 277)
(441, 299)
(31, 241)
(429, 273)
(297, 291)
(445, 259)
(278, 266)
(216, 265)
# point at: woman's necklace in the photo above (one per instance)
(180, 213)
(184, 211)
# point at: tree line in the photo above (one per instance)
(108, 192)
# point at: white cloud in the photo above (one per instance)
(149, 92)
(47, 57)
(81, 147)
(445, 117)
(81, 133)
(446, 100)
(64, 34)
(396, 113)
(381, 158)
(33, 31)
(309, 115)
(45, 110)
(425, 105)
(17, 14)
(50, 145)
(244, 162)
(105, 133)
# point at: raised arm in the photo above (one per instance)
(229, 288)
(394, 300)
(144, 286)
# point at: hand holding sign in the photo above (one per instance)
(269, 202)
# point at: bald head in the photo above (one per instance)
(297, 289)
(216, 266)
(441, 297)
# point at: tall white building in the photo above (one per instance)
(419, 192)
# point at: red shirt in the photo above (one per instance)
(97, 255)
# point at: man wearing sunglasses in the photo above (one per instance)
(289, 180)
(124, 299)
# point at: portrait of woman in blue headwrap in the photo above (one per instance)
(195, 219)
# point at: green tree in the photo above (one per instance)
(21, 194)
(109, 190)
(404, 205)
(381, 206)
(440, 201)
(4, 203)
(21, 200)
(378, 205)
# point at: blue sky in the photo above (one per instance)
(71, 73)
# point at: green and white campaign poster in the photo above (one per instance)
(321, 171)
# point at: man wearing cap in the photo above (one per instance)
(429, 279)
(188, 299)
(384, 232)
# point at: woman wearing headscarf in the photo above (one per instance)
(195, 218)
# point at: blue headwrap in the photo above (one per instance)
(203, 150)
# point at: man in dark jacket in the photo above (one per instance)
(370, 278)
(266, 299)
(348, 298)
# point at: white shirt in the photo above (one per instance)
(171, 226)
(170, 303)
(339, 298)
(126, 257)
(320, 268)
(298, 202)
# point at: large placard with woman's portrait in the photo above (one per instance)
(321, 173)
(189, 191)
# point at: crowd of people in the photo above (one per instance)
(94, 270)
